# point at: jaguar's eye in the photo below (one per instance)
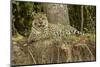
(43, 18)
(35, 23)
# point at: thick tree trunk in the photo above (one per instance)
(57, 13)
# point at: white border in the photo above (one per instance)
(84, 2)
(5, 33)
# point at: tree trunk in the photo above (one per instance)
(57, 13)
(82, 19)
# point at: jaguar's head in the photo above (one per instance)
(40, 22)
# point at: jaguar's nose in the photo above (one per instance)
(40, 22)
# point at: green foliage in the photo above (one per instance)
(90, 19)
(89, 16)
(22, 16)
(75, 16)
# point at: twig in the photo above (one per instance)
(89, 51)
(58, 54)
(92, 56)
(29, 49)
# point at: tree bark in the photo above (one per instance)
(57, 13)
(82, 19)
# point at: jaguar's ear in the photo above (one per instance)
(33, 14)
